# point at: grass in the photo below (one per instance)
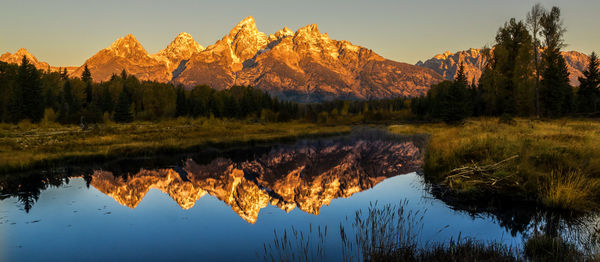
(392, 233)
(27, 146)
(546, 248)
(555, 163)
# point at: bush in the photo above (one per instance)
(49, 117)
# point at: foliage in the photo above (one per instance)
(123, 108)
(556, 94)
(448, 101)
(588, 95)
(557, 164)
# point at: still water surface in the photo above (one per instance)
(226, 206)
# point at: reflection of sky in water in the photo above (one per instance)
(76, 223)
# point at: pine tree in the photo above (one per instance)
(64, 74)
(461, 77)
(588, 95)
(181, 108)
(29, 82)
(106, 101)
(123, 109)
(86, 76)
(16, 111)
(71, 105)
(556, 94)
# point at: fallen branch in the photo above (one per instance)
(476, 174)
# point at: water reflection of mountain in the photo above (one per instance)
(306, 175)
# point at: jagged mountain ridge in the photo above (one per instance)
(306, 176)
(302, 65)
(305, 65)
(128, 54)
(17, 58)
(447, 64)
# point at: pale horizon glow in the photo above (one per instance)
(67, 32)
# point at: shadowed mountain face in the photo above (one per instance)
(306, 175)
(447, 64)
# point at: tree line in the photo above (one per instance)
(36, 95)
(525, 75)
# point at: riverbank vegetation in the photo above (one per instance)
(555, 163)
(27, 145)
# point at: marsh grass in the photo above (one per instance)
(558, 164)
(569, 190)
(387, 233)
(296, 245)
(26, 146)
(381, 233)
(544, 248)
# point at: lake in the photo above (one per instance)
(225, 205)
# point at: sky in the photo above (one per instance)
(67, 32)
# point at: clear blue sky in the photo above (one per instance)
(66, 32)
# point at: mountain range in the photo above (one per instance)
(474, 61)
(305, 65)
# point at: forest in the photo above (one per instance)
(525, 76)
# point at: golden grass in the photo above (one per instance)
(569, 190)
(27, 145)
(558, 163)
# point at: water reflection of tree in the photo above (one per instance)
(563, 233)
(27, 187)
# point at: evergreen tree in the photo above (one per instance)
(588, 95)
(448, 101)
(458, 98)
(124, 74)
(461, 77)
(71, 105)
(181, 108)
(16, 109)
(86, 76)
(105, 102)
(64, 74)
(556, 94)
(8, 75)
(29, 83)
(123, 112)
